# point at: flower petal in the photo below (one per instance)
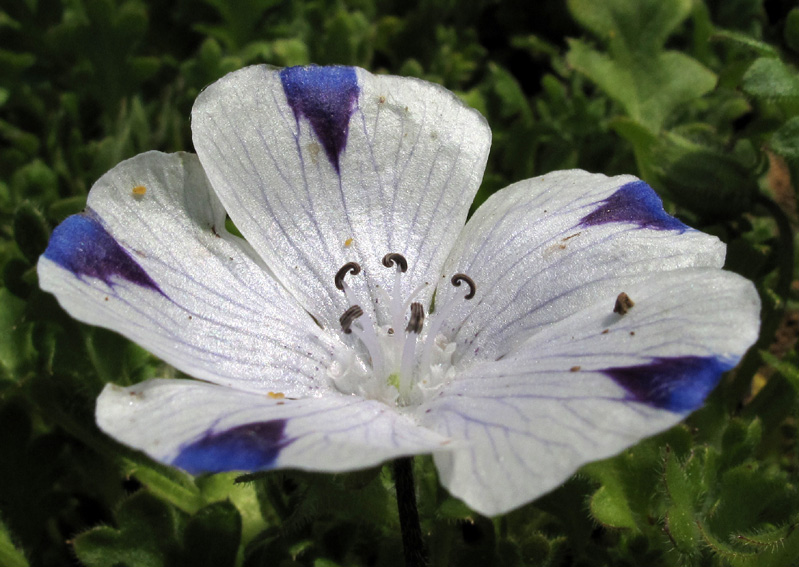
(591, 385)
(320, 166)
(548, 247)
(206, 428)
(151, 259)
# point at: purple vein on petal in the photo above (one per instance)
(679, 384)
(326, 96)
(82, 245)
(249, 447)
(637, 203)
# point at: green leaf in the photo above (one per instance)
(683, 491)
(701, 176)
(789, 371)
(16, 346)
(740, 441)
(212, 536)
(640, 25)
(760, 47)
(168, 483)
(610, 508)
(785, 141)
(770, 79)
(148, 536)
(31, 231)
(243, 495)
(10, 556)
(512, 100)
(649, 88)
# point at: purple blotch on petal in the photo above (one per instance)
(637, 203)
(678, 384)
(83, 246)
(250, 447)
(326, 96)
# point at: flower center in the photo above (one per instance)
(402, 362)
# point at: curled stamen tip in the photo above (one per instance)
(395, 258)
(416, 321)
(347, 318)
(458, 278)
(349, 268)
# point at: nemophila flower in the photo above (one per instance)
(362, 321)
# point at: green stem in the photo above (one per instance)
(412, 544)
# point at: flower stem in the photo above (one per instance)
(412, 544)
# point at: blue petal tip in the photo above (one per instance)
(636, 203)
(326, 96)
(678, 384)
(250, 447)
(82, 245)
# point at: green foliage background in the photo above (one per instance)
(700, 98)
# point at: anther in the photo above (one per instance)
(416, 321)
(348, 317)
(348, 268)
(458, 278)
(392, 258)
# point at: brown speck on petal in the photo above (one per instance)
(623, 304)
(575, 368)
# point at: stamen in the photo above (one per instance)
(458, 278)
(416, 320)
(348, 317)
(397, 313)
(413, 329)
(395, 258)
(413, 295)
(441, 316)
(349, 268)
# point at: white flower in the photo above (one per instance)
(352, 190)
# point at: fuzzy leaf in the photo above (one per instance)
(680, 521)
(611, 509)
(760, 47)
(31, 231)
(16, 348)
(10, 556)
(770, 79)
(703, 178)
(212, 536)
(641, 25)
(785, 141)
(648, 88)
(147, 536)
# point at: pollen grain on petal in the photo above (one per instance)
(623, 304)
(139, 191)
